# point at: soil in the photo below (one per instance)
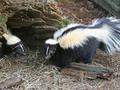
(37, 75)
(82, 11)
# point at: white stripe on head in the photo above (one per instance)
(47, 50)
(51, 41)
(11, 39)
(22, 48)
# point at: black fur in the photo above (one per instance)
(3, 47)
(85, 53)
(16, 49)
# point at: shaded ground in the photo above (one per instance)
(81, 10)
(38, 76)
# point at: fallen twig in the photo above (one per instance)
(88, 71)
(10, 82)
(91, 68)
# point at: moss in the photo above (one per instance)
(3, 26)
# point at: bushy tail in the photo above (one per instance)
(113, 40)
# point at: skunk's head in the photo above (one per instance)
(50, 48)
(12, 45)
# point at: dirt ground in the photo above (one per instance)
(38, 76)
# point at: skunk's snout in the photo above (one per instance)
(49, 50)
(47, 57)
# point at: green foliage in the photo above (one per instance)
(63, 23)
(3, 26)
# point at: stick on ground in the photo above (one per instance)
(91, 68)
(10, 82)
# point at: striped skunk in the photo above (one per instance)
(11, 45)
(79, 42)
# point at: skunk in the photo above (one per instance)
(11, 44)
(79, 42)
